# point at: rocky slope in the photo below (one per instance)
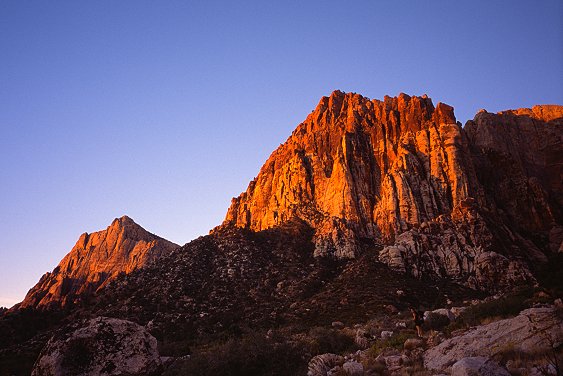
(228, 283)
(236, 277)
(95, 260)
(403, 173)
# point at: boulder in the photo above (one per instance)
(337, 325)
(478, 366)
(533, 330)
(103, 346)
(386, 334)
(442, 312)
(320, 365)
(353, 368)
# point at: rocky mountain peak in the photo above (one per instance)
(401, 172)
(96, 259)
(351, 167)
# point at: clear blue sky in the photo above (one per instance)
(165, 110)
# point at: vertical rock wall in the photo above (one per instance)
(403, 172)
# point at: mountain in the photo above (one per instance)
(403, 173)
(368, 207)
(95, 260)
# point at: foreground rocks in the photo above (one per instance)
(525, 345)
(533, 331)
(478, 366)
(103, 346)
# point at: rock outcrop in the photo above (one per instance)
(95, 260)
(533, 331)
(478, 366)
(103, 346)
(359, 168)
(403, 173)
(518, 155)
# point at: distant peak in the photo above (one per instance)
(124, 222)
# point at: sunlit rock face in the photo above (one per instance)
(403, 173)
(95, 260)
(371, 169)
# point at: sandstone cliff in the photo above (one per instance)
(95, 260)
(519, 158)
(357, 168)
(403, 173)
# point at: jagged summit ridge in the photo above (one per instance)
(96, 259)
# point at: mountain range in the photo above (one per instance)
(365, 199)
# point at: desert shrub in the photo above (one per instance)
(373, 367)
(173, 348)
(253, 354)
(396, 341)
(435, 321)
(322, 340)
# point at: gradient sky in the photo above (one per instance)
(165, 110)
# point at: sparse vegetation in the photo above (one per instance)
(323, 340)
(255, 354)
(396, 341)
(435, 321)
(504, 307)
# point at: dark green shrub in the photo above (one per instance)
(435, 321)
(323, 340)
(173, 348)
(253, 354)
(396, 341)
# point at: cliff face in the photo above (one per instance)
(403, 173)
(357, 168)
(519, 155)
(95, 260)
